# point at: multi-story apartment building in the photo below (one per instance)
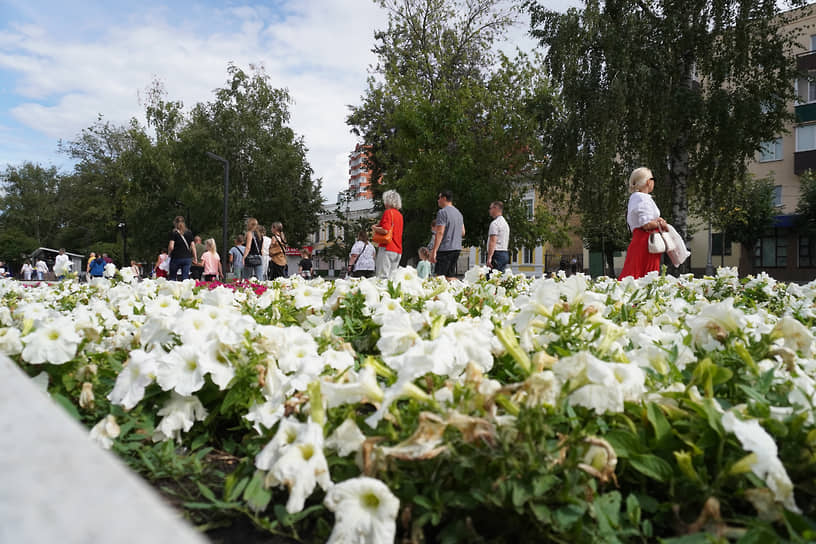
(783, 253)
(359, 175)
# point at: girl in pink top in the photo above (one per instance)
(212, 262)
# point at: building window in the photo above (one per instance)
(771, 151)
(806, 138)
(771, 251)
(807, 252)
(777, 196)
(813, 42)
(717, 247)
(528, 208)
(527, 255)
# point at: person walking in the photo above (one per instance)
(305, 264)
(197, 267)
(62, 264)
(181, 249)
(236, 257)
(498, 238)
(97, 267)
(42, 269)
(211, 261)
(361, 257)
(278, 265)
(390, 251)
(161, 267)
(450, 229)
(266, 243)
(27, 270)
(253, 264)
(643, 217)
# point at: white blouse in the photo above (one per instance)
(642, 209)
(366, 253)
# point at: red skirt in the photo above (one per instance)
(639, 261)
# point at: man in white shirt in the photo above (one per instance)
(42, 269)
(498, 238)
(62, 264)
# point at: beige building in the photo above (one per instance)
(783, 253)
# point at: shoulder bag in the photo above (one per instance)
(657, 244)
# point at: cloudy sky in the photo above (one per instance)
(64, 63)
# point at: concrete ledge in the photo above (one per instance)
(58, 486)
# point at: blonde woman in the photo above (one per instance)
(253, 263)
(642, 216)
(212, 261)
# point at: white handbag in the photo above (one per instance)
(657, 244)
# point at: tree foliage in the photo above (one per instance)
(126, 175)
(690, 89)
(445, 112)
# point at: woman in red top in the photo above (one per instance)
(388, 255)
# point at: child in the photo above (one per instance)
(212, 262)
(305, 264)
(424, 265)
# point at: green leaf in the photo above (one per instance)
(542, 484)
(520, 494)
(255, 494)
(207, 492)
(661, 425)
(232, 489)
(625, 443)
(652, 466)
(566, 516)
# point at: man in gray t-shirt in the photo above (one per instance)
(450, 228)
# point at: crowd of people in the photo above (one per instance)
(381, 254)
(261, 255)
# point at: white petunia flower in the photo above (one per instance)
(347, 438)
(755, 438)
(110, 270)
(294, 458)
(407, 280)
(180, 413)
(181, 371)
(138, 373)
(794, 335)
(365, 512)
(10, 342)
(104, 432)
(53, 342)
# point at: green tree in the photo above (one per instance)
(806, 208)
(746, 214)
(270, 178)
(690, 89)
(29, 211)
(445, 112)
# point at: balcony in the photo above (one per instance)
(806, 61)
(804, 160)
(805, 112)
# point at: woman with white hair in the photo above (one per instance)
(642, 216)
(390, 251)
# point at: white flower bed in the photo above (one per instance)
(638, 374)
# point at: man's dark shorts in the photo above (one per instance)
(446, 263)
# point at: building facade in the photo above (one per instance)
(784, 252)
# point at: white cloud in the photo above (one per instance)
(319, 50)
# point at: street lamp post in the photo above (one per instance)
(224, 257)
(123, 227)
